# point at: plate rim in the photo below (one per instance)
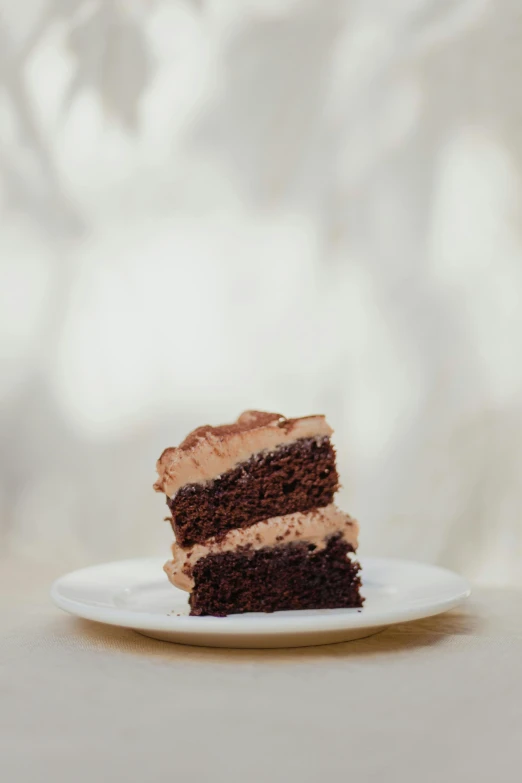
(261, 624)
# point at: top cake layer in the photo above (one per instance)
(208, 452)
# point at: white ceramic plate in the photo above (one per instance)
(136, 594)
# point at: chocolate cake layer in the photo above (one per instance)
(291, 576)
(296, 477)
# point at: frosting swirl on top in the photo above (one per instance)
(208, 452)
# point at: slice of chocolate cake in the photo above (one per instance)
(253, 515)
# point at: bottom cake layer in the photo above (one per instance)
(292, 576)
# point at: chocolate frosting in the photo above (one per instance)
(209, 451)
(313, 527)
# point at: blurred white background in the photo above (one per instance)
(296, 206)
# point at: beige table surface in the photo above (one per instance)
(437, 700)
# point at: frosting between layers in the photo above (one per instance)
(313, 527)
(208, 452)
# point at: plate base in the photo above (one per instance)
(136, 594)
(267, 641)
